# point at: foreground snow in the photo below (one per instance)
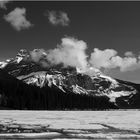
(70, 124)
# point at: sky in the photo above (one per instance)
(108, 32)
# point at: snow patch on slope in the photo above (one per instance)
(40, 79)
(18, 59)
(79, 90)
(109, 78)
(115, 94)
(3, 64)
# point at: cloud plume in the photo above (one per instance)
(58, 18)
(71, 52)
(17, 19)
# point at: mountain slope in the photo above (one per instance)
(17, 95)
(67, 84)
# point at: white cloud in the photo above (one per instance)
(126, 63)
(101, 58)
(108, 59)
(3, 3)
(71, 52)
(129, 53)
(58, 18)
(17, 18)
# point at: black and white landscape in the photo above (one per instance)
(68, 63)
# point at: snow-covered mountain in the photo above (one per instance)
(91, 83)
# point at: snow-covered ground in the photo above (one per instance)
(70, 124)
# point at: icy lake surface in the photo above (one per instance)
(70, 124)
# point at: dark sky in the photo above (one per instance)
(112, 25)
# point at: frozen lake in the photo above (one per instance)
(70, 124)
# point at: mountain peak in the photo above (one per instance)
(22, 53)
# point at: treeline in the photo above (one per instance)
(17, 95)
